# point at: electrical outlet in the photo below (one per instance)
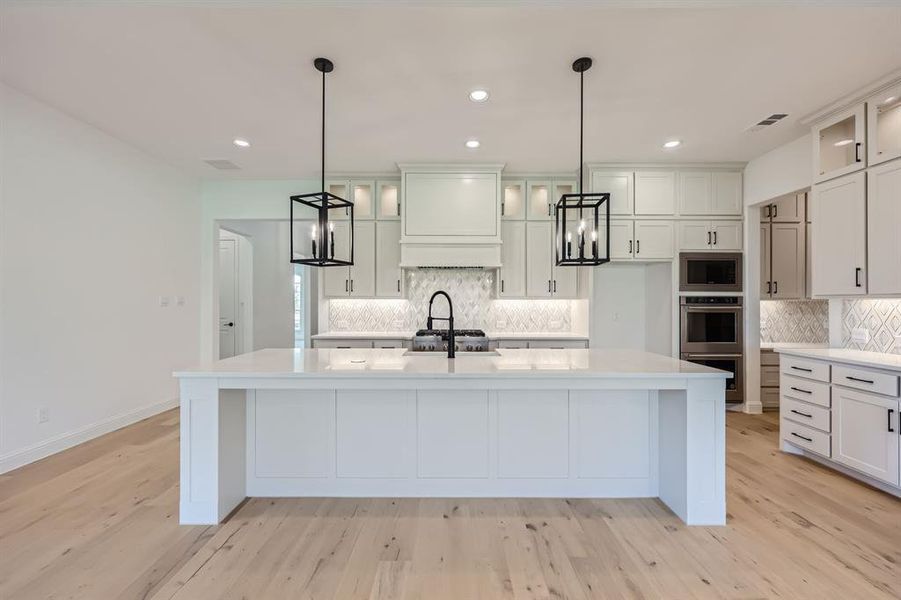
(860, 335)
(43, 417)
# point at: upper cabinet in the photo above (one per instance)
(787, 209)
(709, 193)
(361, 193)
(726, 195)
(884, 229)
(884, 126)
(655, 193)
(541, 205)
(839, 144)
(839, 230)
(513, 200)
(620, 186)
(388, 199)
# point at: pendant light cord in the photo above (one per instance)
(323, 134)
(581, 130)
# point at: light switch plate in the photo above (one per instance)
(860, 335)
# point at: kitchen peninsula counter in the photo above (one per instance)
(516, 423)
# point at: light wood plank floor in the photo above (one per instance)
(100, 521)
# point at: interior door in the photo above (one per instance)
(787, 261)
(539, 259)
(228, 298)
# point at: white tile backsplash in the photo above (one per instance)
(880, 317)
(797, 321)
(472, 291)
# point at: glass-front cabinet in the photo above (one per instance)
(884, 126)
(513, 201)
(361, 193)
(388, 199)
(541, 205)
(839, 144)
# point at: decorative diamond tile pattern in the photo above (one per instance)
(798, 321)
(881, 317)
(474, 306)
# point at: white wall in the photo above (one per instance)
(273, 282)
(631, 307)
(92, 233)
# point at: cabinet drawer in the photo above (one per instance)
(806, 414)
(800, 367)
(864, 379)
(813, 392)
(513, 344)
(769, 398)
(559, 344)
(769, 376)
(391, 344)
(769, 358)
(806, 437)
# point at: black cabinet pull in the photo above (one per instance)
(708, 238)
(548, 286)
(548, 209)
(398, 285)
(637, 246)
(857, 277)
(775, 287)
(346, 285)
(502, 285)
(890, 412)
(806, 439)
(802, 369)
(769, 287)
(800, 390)
(769, 211)
(858, 379)
(798, 412)
(714, 238)
(857, 152)
(555, 286)
(351, 286)
(503, 204)
(775, 210)
(630, 246)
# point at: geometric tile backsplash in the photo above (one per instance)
(475, 307)
(798, 321)
(881, 317)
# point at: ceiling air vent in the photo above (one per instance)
(770, 120)
(222, 164)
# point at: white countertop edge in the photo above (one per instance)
(862, 358)
(408, 375)
(792, 345)
(406, 335)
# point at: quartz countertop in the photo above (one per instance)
(492, 335)
(544, 335)
(368, 362)
(789, 345)
(861, 358)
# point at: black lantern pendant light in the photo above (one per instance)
(318, 249)
(582, 236)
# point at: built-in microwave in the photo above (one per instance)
(710, 272)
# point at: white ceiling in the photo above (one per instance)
(181, 81)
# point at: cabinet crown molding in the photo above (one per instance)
(849, 100)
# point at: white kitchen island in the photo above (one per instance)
(519, 423)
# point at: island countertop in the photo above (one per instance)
(381, 362)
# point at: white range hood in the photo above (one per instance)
(451, 215)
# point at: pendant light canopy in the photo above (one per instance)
(314, 216)
(582, 236)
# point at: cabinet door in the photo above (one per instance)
(620, 186)
(884, 126)
(362, 273)
(866, 433)
(513, 202)
(539, 259)
(541, 205)
(839, 145)
(788, 209)
(513, 260)
(726, 194)
(622, 240)
(788, 261)
(726, 235)
(655, 193)
(363, 195)
(566, 282)
(653, 239)
(884, 229)
(695, 235)
(336, 280)
(388, 276)
(694, 193)
(839, 229)
(766, 280)
(388, 199)
(342, 190)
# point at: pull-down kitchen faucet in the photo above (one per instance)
(450, 321)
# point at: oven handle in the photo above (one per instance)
(711, 309)
(727, 356)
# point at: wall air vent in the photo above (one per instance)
(222, 164)
(770, 120)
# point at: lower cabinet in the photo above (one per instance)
(866, 433)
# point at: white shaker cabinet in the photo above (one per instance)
(884, 229)
(622, 240)
(839, 231)
(694, 193)
(726, 193)
(839, 144)
(866, 432)
(620, 186)
(513, 200)
(540, 200)
(358, 280)
(543, 278)
(787, 209)
(710, 193)
(512, 275)
(884, 126)
(388, 276)
(388, 199)
(655, 193)
(654, 240)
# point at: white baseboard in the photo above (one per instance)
(20, 458)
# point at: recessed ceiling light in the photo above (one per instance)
(478, 95)
(241, 142)
(473, 144)
(844, 142)
(672, 144)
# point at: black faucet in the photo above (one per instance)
(450, 321)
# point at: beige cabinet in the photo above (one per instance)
(388, 274)
(655, 193)
(884, 126)
(620, 186)
(839, 144)
(839, 237)
(787, 256)
(766, 279)
(884, 229)
(787, 209)
(513, 200)
(512, 274)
